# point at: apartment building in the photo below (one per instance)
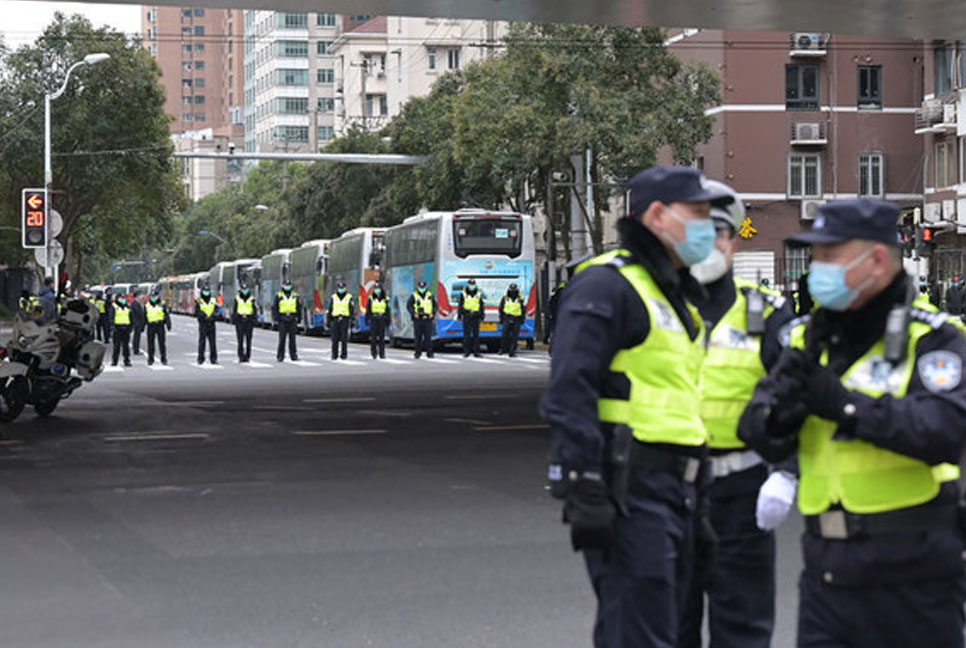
(807, 118)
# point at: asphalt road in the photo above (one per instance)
(395, 503)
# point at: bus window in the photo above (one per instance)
(487, 236)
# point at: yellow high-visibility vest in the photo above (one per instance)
(155, 313)
(513, 307)
(341, 305)
(122, 315)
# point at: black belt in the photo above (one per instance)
(645, 455)
(842, 525)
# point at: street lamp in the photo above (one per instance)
(90, 59)
(262, 207)
(213, 235)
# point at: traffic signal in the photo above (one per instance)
(34, 218)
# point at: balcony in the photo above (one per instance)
(935, 117)
(808, 134)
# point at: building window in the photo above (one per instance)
(153, 49)
(453, 59)
(199, 83)
(199, 65)
(325, 20)
(361, 18)
(199, 13)
(293, 105)
(292, 133)
(871, 178)
(292, 77)
(199, 30)
(796, 261)
(944, 165)
(293, 20)
(187, 117)
(325, 75)
(199, 47)
(186, 100)
(870, 87)
(322, 47)
(199, 117)
(153, 34)
(804, 175)
(186, 83)
(186, 13)
(801, 87)
(943, 68)
(325, 133)
(376, 105)
(199, 99)
(326, 104)
(293, 48)
(152, 15)
(431, 58)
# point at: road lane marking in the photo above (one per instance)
(394, 361)
(479, 396)
(337, 432)
(509, 428)
(360, 399)
(160, 367)
(439, 360)
(155, 437)
(351, 363)
(113, 370)
(198, 403)
(470, 421)
(208, 366)
(304, 363)
(254, 364)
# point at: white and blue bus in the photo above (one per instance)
(275, 268)
(356, 258)
(307, 274)
(234, 274)
(446, 250)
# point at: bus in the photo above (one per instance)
(356, 258)
(275, 269)
(144, 291)
(234, 273)
(183, 291)
(216, 282)
(446, 250)
(307, 274)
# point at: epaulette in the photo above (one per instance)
(785, 332)
(619, 261)
(935, 320)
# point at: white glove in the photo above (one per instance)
(775, 500)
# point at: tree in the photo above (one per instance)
(114, 181)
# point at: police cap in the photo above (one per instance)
(844, 220)
(671, 184)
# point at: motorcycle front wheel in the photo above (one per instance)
(14, 392)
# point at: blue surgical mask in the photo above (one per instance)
(827, 284)
(699, 239)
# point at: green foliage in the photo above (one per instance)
(117, 187)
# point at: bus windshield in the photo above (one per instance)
(487, 236)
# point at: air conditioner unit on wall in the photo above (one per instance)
(809, 41)
(810, 208)
(949, 113)
(808, 131)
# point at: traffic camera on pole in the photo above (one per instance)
(34, 218)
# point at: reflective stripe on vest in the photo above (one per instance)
(340, 305)
(424, 305)
(287, 305)
(471, 303)
(122, 315)
(860, 476)
(208, 308)
(155, 313)
(379, 306)
(663, 371)
(513, 307)
(244, 307)
(730, 370)
(101, 306)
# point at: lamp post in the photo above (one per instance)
(213, 235)
(90, 59)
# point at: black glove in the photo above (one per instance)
(827, 397)
(591, 514)
(705, 550)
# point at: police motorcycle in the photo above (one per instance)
(46, 359)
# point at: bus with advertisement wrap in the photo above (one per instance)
(446, 250)
(307, 274)
(356, 258)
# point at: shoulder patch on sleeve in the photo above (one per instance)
(940, 371)
(935, 320)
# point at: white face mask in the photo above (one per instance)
(711, 269)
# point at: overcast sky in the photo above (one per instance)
(22, 21)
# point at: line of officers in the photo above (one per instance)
(690, 409)
(125, 321)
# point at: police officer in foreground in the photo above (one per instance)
(377, 319)
(870, 394)
(744, 320)
(158, 319)
(422, 309)
(340, 311)
(243, 317)
(624, 409)
(471, 309)
(137, 323)
(205, 309)
(122, 331)
(511, 319)
(287, 312)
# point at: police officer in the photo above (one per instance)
(287, 312)
(870, 393)
(137, 317)
(103, 303)
(122, 330)
(511, 319)
(340, 311)
(422, 309)
(158, 319)
(243, 317)
(956, 297)
(744, 320)
(205, 309)
(471, 309)
(627, 460)
(377, 318)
